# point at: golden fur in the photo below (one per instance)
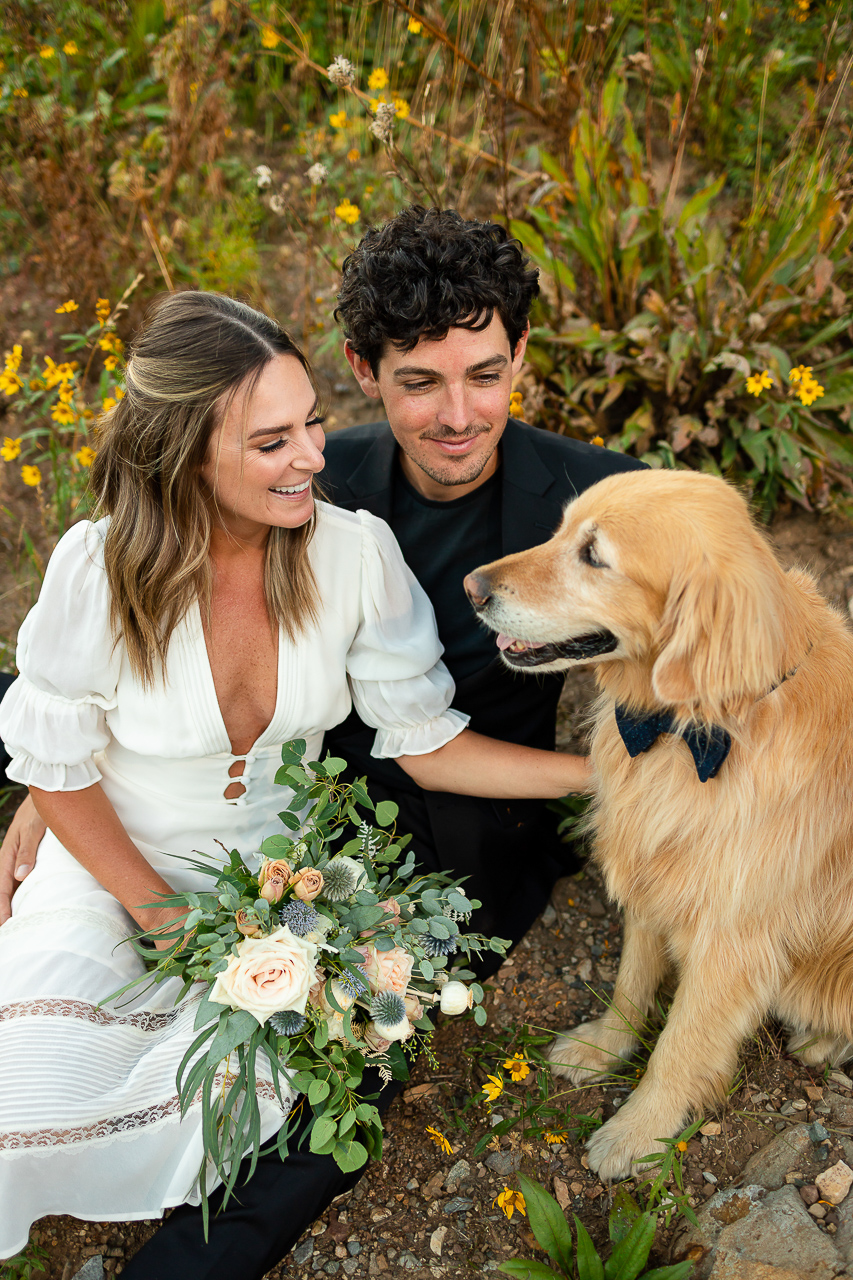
(742, 885)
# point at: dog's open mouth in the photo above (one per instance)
(527, 653)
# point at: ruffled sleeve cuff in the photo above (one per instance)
(419, 739)
(51, 739)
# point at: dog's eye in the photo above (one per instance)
(589, 555)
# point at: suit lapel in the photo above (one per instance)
(531, 503)
(371, 482)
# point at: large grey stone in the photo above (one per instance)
(457, 1175)
(303, 1251)
(92, 1269)
(699, 1243)
(780, 1233)
(504, 1162)
(769, 1165)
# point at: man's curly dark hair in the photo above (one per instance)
(427, 271)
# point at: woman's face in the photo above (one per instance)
(261, 460)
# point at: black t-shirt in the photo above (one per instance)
(441, 543)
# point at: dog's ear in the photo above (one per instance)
(722, 639)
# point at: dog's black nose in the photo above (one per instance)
(477, 590)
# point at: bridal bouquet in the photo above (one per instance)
(325, 960)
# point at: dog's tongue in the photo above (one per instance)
(504, 642)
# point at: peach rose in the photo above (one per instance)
(249, 928)
(391, 907)
(274, 887)
(274, 867)
(374, 1042)
(268, 975)
(414, 1008)
(387, 970)
(307, 883)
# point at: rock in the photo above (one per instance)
(457, 1175)
(840, 1078)
(780, 1233)
(809, 1195)
(595, 907)
(350, 1266)
(711, 1129)
(817, 1210)
(770, 1230)
(709, 1177)
(817, 1133)
(408, 1261)
(769, 1165)
(459, 1204)
(814, 1093)
(562, 1194)
(833, 1184)
(731, 1267)
(549, 916)
(840, 1108)
(436, 1240)
(504, 1162)
(303, 1252)
(434, 1187)
(92, 1269)
(353, 1248)
(585, 970)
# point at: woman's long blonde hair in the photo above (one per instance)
(193, 353)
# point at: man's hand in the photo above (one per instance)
(18, 853)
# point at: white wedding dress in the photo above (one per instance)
(89, 1117)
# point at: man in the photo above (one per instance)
(435, 312)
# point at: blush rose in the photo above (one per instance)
(268, 975)
(387, 970)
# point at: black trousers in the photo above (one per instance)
(263, 1219)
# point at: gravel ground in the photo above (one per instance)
(424, 1213)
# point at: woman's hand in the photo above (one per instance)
(18, 853)
(473, 765)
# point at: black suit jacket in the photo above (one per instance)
(482, 839)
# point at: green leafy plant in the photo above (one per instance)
(631, 1230)
(26, 1265)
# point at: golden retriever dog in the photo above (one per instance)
(727, 836)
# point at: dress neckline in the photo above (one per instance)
(264, 739)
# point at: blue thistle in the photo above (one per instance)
(300, 917)
(288, 1023)
(339, 880)
(387, 1009)
(352, 983)
(438, 946)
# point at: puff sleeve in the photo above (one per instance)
(398, 682)
(52, 719)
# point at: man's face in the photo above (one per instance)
(447, 403)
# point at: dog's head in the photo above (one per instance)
(662, 578)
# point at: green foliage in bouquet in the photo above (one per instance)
(323, 962)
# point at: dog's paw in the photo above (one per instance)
(591, 1051)
(616, 1150)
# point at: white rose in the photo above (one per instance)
(456, 997)
(268, 975)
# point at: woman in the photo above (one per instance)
(214, 612)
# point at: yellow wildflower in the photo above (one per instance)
(368, 191)
(13, 358)
(518, 1067)
(20, 93)
(494, 1088)
(31, 475)
(66, 393)
(516, 404)
(66, 307)
(109, 403)
(799, 373)
(681, 1146)
(352, 155)
(110, 341)
(377, 79)
(348, 212)
(555, 1137)
(439, 1139)
(85, 456)
(111, 362)
(62, 413)
(102, 310)
(510, 1201)
(10, 383)
(599, 440)
(809, 391)
(415, 27)
(70, 48)
(10, 449)
(376, 103)
(54, 374)
(757, 382)
(402, 106)
(338, 119)
(47, 52)
(269, 38)
(119, 393)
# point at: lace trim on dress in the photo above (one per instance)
(53, 1007)
(76, 916)
(35, 1141)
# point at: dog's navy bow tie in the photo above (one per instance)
(709, 747)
